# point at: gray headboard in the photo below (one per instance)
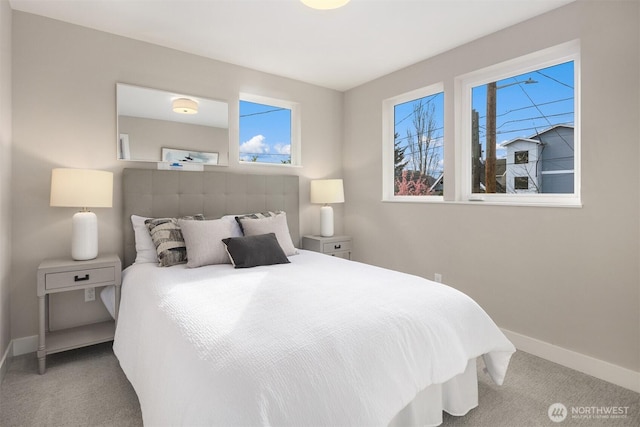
(167, 193)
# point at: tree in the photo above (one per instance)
(398, 157)
(421, 141)
(411, 184)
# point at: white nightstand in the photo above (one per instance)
(339, 246)
(62, 275)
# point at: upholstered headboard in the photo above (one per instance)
(168, 193)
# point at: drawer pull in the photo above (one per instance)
(337, 246)
(81, 279)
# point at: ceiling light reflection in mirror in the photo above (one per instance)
(150, 120)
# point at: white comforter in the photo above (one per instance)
(320, 341)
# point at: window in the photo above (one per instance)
(269, 131)
(413, 155)
(517, 130)
(521, 183)
(521, 157)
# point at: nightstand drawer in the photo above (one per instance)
(341, 246)
(79, 277)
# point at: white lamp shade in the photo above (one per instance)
(327, 191)
(325, 4)
(81, 188)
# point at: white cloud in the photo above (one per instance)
(283, 148)
(255, 145)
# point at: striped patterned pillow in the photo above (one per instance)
(168, 240)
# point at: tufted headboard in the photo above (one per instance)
(167, 193)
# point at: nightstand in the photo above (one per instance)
(63, 275)
(339, 246)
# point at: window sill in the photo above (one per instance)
(280, 165)
(563, 204)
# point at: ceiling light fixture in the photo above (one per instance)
(185, 106)
(325, 4)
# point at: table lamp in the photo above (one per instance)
(82, 188)
(327, 191)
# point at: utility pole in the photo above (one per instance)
(476, 151)
(490, 162)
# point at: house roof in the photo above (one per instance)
(504, 144)
(535, 137)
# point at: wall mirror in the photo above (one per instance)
(156, 126)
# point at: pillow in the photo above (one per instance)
(167, 238)
(256, 215)
(252, 251)
(276, 224)
(203, 241)
(236, 231)
(145, 249)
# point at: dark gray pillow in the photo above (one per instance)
(252, 251)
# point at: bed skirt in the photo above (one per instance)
(456, 397)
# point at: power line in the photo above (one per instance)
(530, 106)
(535, 118)
(548, 121)
(554, 79)
(263, 112)
(428, 99)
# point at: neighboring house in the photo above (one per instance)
(541, 163)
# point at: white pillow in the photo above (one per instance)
(145, 249)
(236, 231)
(203, 240)
(274, 224)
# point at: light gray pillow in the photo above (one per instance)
(203, 240)
(274, 224)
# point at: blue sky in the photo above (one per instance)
(265, 131)
(524, 109)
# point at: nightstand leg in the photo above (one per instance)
(42, 354)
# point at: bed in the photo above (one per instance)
(315, 341)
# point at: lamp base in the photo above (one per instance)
(84, 241)
(326, 221)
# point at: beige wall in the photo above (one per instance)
(5, 174)
(65, 115)
(583, 292)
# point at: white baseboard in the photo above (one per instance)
(25, 345)
(606, 371)
(6, 359)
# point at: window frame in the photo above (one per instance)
(296, 145)
(388, 142)
(464, 84)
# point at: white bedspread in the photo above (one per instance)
(320, 341)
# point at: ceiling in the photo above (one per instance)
(337, 49)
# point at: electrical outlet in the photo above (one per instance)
(437, 277)
(89, 294)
